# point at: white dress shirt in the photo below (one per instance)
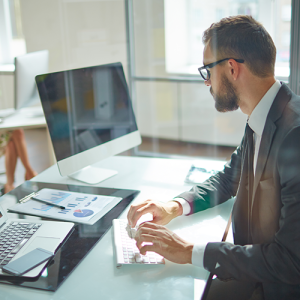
(256, 121)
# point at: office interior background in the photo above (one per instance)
(159, 43)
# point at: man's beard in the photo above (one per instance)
(229, 100)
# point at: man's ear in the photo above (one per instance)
(234, 69)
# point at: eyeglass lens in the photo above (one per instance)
(205, 73)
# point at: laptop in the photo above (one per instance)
(20, 236)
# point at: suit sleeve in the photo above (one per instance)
(279, 260)
(218, 188)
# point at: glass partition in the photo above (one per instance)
(173, 106)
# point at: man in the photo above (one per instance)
(263, 174)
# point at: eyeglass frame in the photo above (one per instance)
(214, 64)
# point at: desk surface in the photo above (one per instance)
(97, 277)
(7, 69)
(29, 117)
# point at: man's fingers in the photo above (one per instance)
(157, 245)
(138, 214)
(145, 238)
(150, 225)
(161, 212)
(136, 211)
(147, 235)
(131, 216)
(148, 242)
(148, 247)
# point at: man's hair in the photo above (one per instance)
(242, 37)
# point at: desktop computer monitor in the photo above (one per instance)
(26, 68)
(89, 116)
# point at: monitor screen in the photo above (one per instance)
(26, 68)
(89, 115)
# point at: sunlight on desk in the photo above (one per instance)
(211, 230)
(177, 174)
(157, 172)
(199, 286)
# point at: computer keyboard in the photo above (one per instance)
(126, 249)
(13, 238)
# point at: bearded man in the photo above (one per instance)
(263, 174)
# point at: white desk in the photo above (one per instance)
(24, 118)
(7, 69)
(28, 118)
(97, 277)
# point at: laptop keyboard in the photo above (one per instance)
(126, 249)
(13, 238)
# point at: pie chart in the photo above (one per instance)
(81, 213)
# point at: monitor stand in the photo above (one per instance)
(92, 175)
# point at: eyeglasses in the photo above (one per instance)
(204, 71)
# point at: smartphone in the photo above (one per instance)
(27, 262)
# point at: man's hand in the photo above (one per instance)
(162, 213)
(164, 242)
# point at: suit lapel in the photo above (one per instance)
(280, 101)
(264, 150)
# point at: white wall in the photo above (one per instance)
(6, 91)
(77, 33)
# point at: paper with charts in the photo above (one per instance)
(79, 207)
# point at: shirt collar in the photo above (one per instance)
(258, 117)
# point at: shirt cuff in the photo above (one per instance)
(198, 255)
(186, 209)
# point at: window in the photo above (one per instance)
(165, 49)
(12, 42)
(185, 21)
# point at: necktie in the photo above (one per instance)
(249, 157)
(250, 149)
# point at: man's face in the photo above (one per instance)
(222, 90)
(226, 98)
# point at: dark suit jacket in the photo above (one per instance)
(266, 230)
